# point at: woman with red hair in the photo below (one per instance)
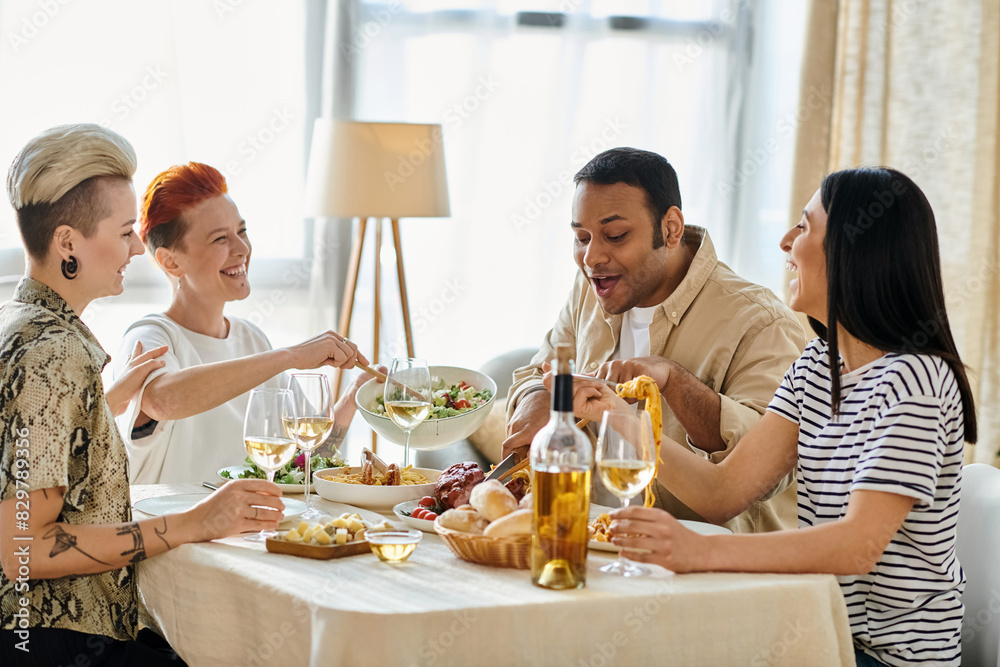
(187, 420)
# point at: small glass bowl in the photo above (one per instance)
(393, 546)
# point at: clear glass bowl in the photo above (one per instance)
(393, 546)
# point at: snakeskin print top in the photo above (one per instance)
(58, 431)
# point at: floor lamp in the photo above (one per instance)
(375, 171)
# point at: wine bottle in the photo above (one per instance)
(561, 458)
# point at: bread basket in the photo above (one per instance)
(513, 552)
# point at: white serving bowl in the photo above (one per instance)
(433, 433)
(372, 496)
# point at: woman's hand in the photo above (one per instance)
(239, 506)
(591, 398)
(326, 349)
(140, 364)
(664, 541)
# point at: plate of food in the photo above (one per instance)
(600, 540)
(462, 399)
(290, 479)
(419, 514)
(160, 505)
(338, 537)
(355, 486)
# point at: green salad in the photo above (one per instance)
(293, 473)
(448, 401)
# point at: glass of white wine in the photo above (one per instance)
(407, 397)
(313, 422)
(266, 438)
(626, 462)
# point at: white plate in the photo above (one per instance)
(285, 488)
(161, 505)
(419, 524)
(697, 526)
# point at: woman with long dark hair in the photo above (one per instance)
(873, 416)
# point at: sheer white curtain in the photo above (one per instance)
(526, 98)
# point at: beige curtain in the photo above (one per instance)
(916, 86)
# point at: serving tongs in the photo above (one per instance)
(368, 456)
(501, 468)
(385, 378)
(506, 468)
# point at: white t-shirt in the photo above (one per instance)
(900, 430)
(191, 449)
(634, 339)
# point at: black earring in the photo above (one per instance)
(70, 267)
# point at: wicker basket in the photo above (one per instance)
(513, 552)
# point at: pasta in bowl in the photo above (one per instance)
(345, 485)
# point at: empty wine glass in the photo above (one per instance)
(626, 462)
(407, 397)
(266, 438)
(313, 405)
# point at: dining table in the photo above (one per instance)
(231, 602)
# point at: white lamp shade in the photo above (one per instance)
(385, 170)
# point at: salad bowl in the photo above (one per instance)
(434, 433)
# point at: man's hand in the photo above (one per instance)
(531, 414)
(239, 506)
(657, 368)
(591, 398)
(133, 376)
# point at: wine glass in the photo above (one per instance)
(267, 442)
(312, 423)
(407, 397)
(626, 462)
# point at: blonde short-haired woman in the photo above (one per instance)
(64, 473)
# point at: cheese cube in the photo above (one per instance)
(339, 522)
(354, 525)
(341, 536)
(321, 537)
(308, 534)
(292, 536)
(303, 525)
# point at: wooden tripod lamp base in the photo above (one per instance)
(351, 287)
(375, 171)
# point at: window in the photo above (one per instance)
(527, 93)
(216, 82)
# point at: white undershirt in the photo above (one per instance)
(634, 339)
(194, 448)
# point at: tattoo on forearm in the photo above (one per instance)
(160, 533)
(138, 550)
(332, 443)
(337, 435)
(64, 541)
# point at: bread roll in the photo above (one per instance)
(515, 523)
(492, 500)
(464, 521)
(526, 502)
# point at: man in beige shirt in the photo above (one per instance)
(653, 299)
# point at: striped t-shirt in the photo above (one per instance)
(900, 430)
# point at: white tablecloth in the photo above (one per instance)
(231, 602)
